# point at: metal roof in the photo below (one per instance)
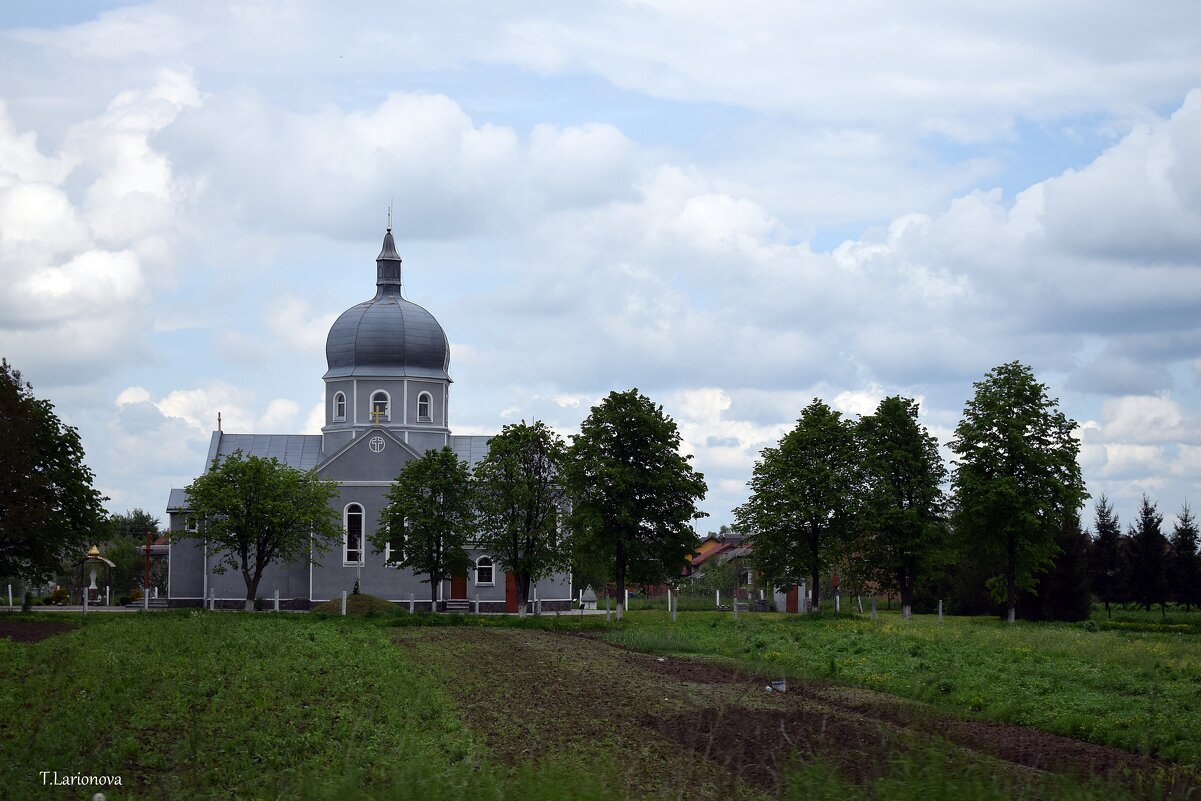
(387, 335)
(470, 448)
(178, 502)
(301, 451)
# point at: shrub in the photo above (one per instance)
(59, 596)
(356, 605)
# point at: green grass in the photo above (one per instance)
(1137, 691)
(229, 705)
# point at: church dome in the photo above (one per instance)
(387, 335)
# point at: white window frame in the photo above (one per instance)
(428, 417)
(339, 398)
(387, 408)
(491, 565)
(346, 561)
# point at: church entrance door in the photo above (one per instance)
(510, 593)
(458, 587)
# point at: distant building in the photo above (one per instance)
(387, 401)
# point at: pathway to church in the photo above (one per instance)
(689, 728)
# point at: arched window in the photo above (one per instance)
(352, 543)
(339, 406)
(381, 407)
(483, 570)
(424, 403)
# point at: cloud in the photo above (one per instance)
(82, 235)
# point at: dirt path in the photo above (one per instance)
(695, 729)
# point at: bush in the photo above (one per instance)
(134, 596)
(59, 596)
(356, 605)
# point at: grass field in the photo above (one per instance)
(229, 705)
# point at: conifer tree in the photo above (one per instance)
(1184, 567)
(1106, 566)
(1148, 555)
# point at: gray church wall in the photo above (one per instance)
(360, 463)
(422, 441)
(437, 392)
(332, 388)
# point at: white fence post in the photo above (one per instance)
(146, 600)
(85, 602)
(717, 603)
(476, 603)
(411, 603)
(940, 611)
(277, 600)
(10, 595)
(343, 603)
(626, 605)
(107, 602)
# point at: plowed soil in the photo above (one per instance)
(20, 631)
(679, 727)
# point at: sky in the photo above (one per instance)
(734, 207)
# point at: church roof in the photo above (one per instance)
(387, 335)
(301, 451)
(470, 448)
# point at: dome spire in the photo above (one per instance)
(387, 263)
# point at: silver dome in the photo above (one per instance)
(387, 335)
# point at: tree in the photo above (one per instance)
(134, 524)
(429, 516)
(520, 496)
(1184, 567)
(633, 494)
(49, 510)
(1148, 555)
(1017, 477)
(1106, 566)
(1063, 591)
(904, 518)
(256, 511)
(803, 498)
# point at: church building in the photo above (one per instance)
(387, 401)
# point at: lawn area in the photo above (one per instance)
(204, 705)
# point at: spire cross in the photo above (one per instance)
(389, 214)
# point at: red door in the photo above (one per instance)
(790, 600)
(458, 587)
(510, 593)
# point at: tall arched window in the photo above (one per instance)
(483, 570)
(424, 403)
(381, 407)
(352, 543)
(339, 406)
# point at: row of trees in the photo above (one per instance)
(866, 497)
(620, 493)
(1143, 565)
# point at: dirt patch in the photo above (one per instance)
(33, 631)
(683, 727)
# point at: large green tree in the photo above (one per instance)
(904, 507)
(633, 493)
(1106, 564)
(804, 496)
(520, 496)
(134, 524)
(1184, 566)
(1147, 551)
(1017, 477)
(256, 511)
(49, 510)
(429, 518)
